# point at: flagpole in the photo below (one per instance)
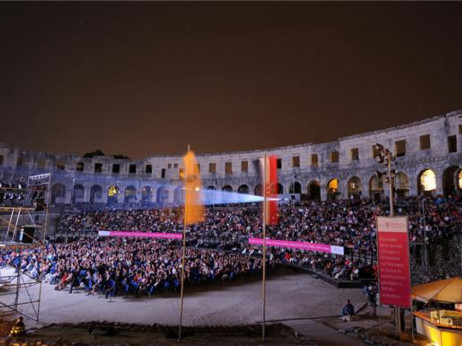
(264, 251)
(182, 269)
(182, 278)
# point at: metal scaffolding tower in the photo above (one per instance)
(23, 228)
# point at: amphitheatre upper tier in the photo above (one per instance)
(427, 159)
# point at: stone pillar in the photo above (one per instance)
(68, 193)
(439, 182)
(86, 193)
(413, 188)
(342, 188)
(365, 188)
(323, 190)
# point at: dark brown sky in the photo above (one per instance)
(149, 78)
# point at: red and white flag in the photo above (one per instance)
(270, 184)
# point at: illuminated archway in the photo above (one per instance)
(332, 189)
(112, 194)
(427, 181)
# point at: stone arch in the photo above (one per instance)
(450, 180)
(426, 181)
(244, 189)
(130, 194)
(178, 195)
(227, 188)
(258, 191)
(280, 189)
(210, 195)
(146, 194)
(58, 194)
(354, 187)
(401, 184)
(332, 189)
(376, 188)
(295, 187)
(314, 190)
(96, 194)
(78, 193)
(162, 195)
(112, 194)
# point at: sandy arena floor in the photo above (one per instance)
(289, 295)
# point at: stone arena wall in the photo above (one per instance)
(339, 169)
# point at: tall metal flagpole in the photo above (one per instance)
(182, 268)
(264, 252)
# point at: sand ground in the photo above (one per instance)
(289, 295)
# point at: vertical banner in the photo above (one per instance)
(270, 184)
(193, 204)
(393, 251)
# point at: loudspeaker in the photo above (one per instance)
(27, 235)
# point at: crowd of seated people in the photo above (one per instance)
(128, 266)
(218, 247)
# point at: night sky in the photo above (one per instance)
(149, 78)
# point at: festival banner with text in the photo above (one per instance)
(393, 251)
(336, 250)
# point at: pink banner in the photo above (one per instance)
(140, 234)
(394, 272)
(292, 244)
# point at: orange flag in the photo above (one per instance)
(193, 208)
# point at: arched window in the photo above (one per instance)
(295, 187)
(130, 194)
(58, 194)
(280, 189)
(146, 195)
(451, 180)
(179, 195)
(376, 188)
(314, 190)
(243, 189)
(96, 194)
(227, 188)
(78, 194)
(258, 191)
(354, 187)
